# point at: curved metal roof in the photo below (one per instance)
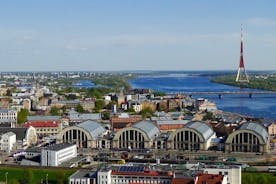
(201, 128)
(257, 128)
(148, 127)
(94, 128)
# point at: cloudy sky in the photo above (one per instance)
(99, 35)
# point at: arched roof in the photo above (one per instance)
(94, 128)
(255, 127)
(148, 127)
(201, 128)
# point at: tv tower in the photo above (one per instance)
(241, 74)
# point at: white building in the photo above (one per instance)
(7, 141)
(8, 116)
(83, 177)
(233, 173)
(56, 154)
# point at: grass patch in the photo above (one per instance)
(258, 178)
(35, 175)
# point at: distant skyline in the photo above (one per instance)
(69, 35)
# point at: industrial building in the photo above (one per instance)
(139, 135)
(194, 136)
(89, 134)
(249, 137)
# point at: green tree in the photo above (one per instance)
(28, 177)
(146, 112)
(14, 181)
(22, 116)
(208, 116)
(54, 111)
(99, 104)
(105, 115)
(60, 177)
(79, 108)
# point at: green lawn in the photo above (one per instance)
(35, 175)
(257, 178)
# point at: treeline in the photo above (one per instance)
(268, 83)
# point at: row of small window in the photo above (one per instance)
(7, 117)
(46, 130)
(140, 181)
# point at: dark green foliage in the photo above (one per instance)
(99, 104)
(105, 115)
(22, 116)
(159, 93)
(257, 83)
(35, 175)
(147, 112)
(54, 111)
(257, 178)
(60, 177)
(79, 108)
(208, 116)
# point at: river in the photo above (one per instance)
(260, 105)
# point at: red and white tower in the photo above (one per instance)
(241, 74)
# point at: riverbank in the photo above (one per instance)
(259, 106)
(262, 83)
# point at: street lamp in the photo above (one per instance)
(6, 174)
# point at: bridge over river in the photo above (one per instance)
(220, 93)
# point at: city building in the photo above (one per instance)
(233, 173)
(88, 134)
(140, 174)
(24, 136)
(7, 141)
(249, 137)
(139, 135)
(124, 120)
(194, 136)
(44, 125)
(83, 177)
(76, 117)
(56, 154)
(8, 118)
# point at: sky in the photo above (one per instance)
(117, 35)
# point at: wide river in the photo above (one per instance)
(260, 105)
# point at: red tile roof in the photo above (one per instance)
(37, 124)
(183, 181)
(209, 178)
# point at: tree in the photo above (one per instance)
(99, 104)
(105, 115)
(208, 116)
(13, 181)
(22, 116)
(54, 111)
(28, 177)
(79, 108)
(60, 177)
(146, 112)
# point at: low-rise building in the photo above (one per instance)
(56, 154)
(8, 117)
(7, 141)
(24, 136)
(45, 128)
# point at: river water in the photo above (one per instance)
(260, 105)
